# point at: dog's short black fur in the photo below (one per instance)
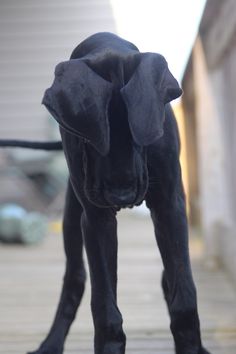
(121, 144)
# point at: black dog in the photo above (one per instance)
(121, 143)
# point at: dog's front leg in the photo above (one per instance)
(167, 204)
(74, 279)
(100, 238)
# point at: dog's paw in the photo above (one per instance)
(47, 351)
(204, 351)
(43, 351)
(40, 352)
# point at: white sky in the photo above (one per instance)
(167, 27)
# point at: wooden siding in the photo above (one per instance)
(34, 37)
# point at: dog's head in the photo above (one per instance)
(113, 98)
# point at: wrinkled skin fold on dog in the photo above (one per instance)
(121, 144)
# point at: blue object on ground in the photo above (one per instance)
(18, 225)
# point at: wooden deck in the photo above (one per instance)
(30, 285)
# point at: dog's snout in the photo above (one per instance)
(120, 197)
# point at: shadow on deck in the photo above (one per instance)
(30, 285)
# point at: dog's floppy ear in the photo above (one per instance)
(78, 99)
(151, 86)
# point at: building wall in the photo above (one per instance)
(34, 37)
(190, 130)
(213, 80)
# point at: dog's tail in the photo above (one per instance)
(38, 145)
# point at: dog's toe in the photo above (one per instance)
(204, 351)
(46, 351)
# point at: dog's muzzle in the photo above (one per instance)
(120, 197)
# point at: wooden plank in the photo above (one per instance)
(30, 285)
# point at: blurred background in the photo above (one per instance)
(35, 36)
(198, 39)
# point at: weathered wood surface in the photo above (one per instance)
(30, 284)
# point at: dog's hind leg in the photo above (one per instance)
(74, 279)
(100, 237)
